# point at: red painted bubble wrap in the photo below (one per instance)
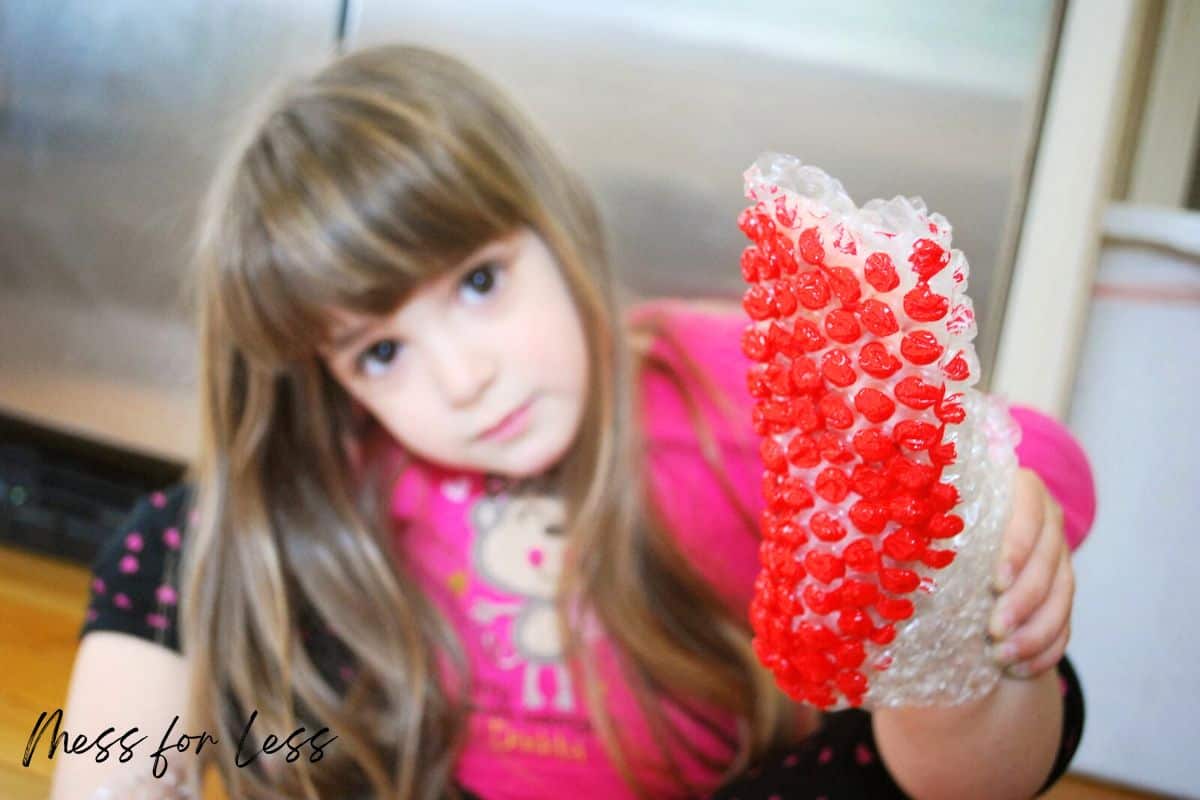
(886, 476)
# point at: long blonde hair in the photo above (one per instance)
(358, 183)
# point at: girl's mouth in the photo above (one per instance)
(514, 423)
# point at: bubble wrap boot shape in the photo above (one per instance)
(887, 477)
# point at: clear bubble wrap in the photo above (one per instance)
(887, 477)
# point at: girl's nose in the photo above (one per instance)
(462, 369)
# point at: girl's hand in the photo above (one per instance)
(1031, 622)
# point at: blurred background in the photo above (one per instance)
(1059, 138)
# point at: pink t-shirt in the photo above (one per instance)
(491, 563)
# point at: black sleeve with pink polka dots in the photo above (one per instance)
(841, 759)
(134, 585)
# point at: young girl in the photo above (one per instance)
(480, 525)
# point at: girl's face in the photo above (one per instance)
(484, 368)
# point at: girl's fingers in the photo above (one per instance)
(1032, 585)
(1022, 534)
(1046, 659)
(1045, 626)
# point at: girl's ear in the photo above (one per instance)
(358, 413)
(368, 441)
(354, 439)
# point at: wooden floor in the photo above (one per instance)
(42, 603)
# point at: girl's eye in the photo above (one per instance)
(482, 279)
(384, 351)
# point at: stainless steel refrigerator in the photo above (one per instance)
(113, 114)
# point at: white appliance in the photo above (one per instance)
(1135, 410)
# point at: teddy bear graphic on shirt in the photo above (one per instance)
(518, 549)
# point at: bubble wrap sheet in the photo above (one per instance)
(887, 476)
